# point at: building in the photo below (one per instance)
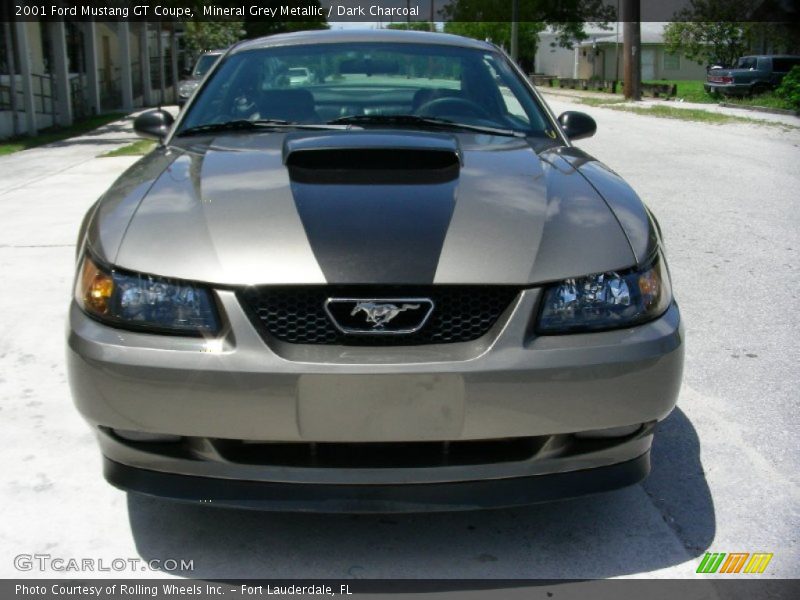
(600, 56)
(55, 73)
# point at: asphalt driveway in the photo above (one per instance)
(725, 465)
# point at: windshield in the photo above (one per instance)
(317, 84)
(204, 63)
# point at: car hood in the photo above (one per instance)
(359, 207)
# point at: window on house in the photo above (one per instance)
(672, 62)
(75, 56)
(8, 62)
(5, 41)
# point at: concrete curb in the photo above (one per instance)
(699, 106)
(579, 94)
(774, 116)
(764, 109)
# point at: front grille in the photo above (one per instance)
(376, 455)
(296, 314)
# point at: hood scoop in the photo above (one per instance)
(372, 157)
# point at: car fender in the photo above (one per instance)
(633, 216)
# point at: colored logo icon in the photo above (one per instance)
(734, 562)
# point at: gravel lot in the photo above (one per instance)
(725, 476)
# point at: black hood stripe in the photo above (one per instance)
(376, 234)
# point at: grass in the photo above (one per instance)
(768, 100)
(137, 148)
(689, 91)
(695, 114)
(601, 101)
(56, 134)
(692, 91)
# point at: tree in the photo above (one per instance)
(491, 19)
(259, 26)
(413, 26)
(709, 43)
(718, 32)
(254, 29)
(200, 36)
(500, 34)
(789, 89)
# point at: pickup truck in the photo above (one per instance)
(752, 75)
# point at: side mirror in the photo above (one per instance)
(153, 124)
(186, 73)
(577, 125)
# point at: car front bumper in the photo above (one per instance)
(354, 498)
(237, 403)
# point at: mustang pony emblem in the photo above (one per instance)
(379, 316)
(381, 313)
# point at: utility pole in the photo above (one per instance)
(515, 30)
(632, 48)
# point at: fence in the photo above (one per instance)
(44, 101)
(42, 95)
(611, 86)
(155, 77)
(110, 83)
(602, 85)
(77, 94)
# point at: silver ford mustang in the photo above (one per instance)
(392, 285)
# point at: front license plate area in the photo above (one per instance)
(380, 408)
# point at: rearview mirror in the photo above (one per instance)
(577, 125)
(153, 124)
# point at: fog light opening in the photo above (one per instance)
(141, 436)
(612, 432)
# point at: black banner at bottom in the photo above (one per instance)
(702, 588)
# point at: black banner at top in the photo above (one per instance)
(398, 11)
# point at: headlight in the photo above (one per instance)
(186, 89)
(606, 300)
(142, 301)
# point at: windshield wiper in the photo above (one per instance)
(245, 125)
(422, 121)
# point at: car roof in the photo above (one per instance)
(331, 36)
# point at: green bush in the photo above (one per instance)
(789, 88)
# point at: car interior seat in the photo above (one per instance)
(290, 105)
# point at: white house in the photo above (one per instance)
(600, 56)
(55, 73)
